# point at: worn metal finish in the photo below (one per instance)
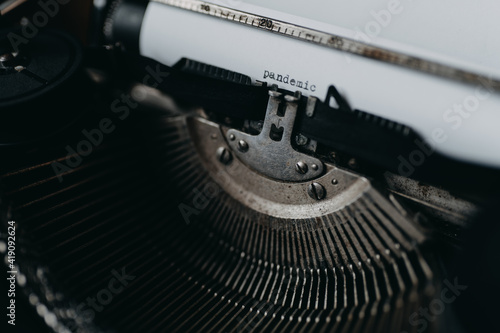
(301, 140)
(332, 41)
(306, 264)
(213, 247)
(301, 167)
(271, 152)
(435, 202)
(223, 154)
(267, 196)
(243, 146)
(316, 191)
(311, 106)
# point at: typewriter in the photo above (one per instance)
(249, 166)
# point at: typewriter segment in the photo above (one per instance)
(213, 244)
(139, 195)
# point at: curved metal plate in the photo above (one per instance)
(271, 153)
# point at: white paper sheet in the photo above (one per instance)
(458, 119)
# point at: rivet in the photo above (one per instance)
(242, 146)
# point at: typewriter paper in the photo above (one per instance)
(460, 120)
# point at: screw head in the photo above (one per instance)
(301, 140)
(242, 146)
(232, 137)
(316, 191)
(335, 181)
(314, 167)
(301, 167)
(224, 155)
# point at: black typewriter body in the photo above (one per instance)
(141, 197)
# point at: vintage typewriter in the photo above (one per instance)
(249, 166)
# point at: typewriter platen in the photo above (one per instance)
(238, 166)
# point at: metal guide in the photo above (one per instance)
(332, 41)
